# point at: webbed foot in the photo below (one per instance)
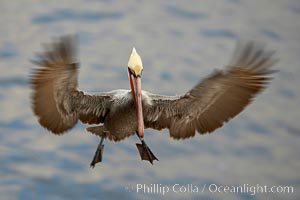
(145, 152)
(98, 154)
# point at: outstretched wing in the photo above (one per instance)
(215, 100)
(55, 99)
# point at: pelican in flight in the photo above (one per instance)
(118, 114)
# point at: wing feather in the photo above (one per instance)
(215, 100)
(55, 99)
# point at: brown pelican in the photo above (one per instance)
(58, 103)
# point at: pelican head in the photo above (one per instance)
(135, 68)
(135, 64)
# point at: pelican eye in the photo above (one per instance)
(131, 71)
(141, 73)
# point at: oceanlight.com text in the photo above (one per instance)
(163, 189)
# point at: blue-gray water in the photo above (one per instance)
(179, 42)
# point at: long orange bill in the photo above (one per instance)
(132, 86)
(138, 98)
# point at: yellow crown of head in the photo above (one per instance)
(135, 63)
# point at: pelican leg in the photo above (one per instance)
(145, 152)
(98, 154)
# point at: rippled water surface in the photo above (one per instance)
(180, 42)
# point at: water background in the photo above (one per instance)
(180, 42)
